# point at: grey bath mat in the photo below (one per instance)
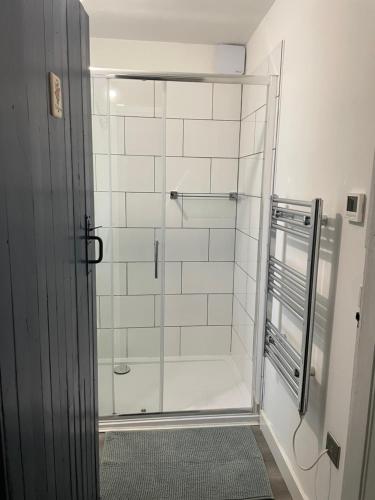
(217, 463)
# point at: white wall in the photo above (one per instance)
(326, 147)
(152, 56)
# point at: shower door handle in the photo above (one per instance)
(156, 258)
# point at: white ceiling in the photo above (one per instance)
(192, 21)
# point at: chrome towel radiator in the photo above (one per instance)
(295, 291)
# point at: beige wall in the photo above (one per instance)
(326, 148)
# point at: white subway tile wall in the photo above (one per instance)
(224, 174)
(190, 175)
(186, 244)
(226, 102)
(211, 213)
(205, 340)
(189, 100)
(252, 139)
(211, 138)
(221, 245)
(183, 310)
(211, 244)
(132, 98)
(129, 174)
(220, 309)
(206, 277)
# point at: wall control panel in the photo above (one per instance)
(355, 207)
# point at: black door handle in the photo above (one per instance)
(100, 258)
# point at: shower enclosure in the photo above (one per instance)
(182, 171)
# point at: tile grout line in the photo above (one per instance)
(127, 342)
(208, 298)
(183, 138)
(154, 88)
(154, 174)
(186, 294)
(209, 244)
(152, 155)
(151, 327)
(207, 307)
(236, 218)
(153, 192)
(181, 276)
(171, 261)
(211, 175)
(175, 118)
(124, 135)
(180, 341)
(155, 312)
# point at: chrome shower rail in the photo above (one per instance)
(174, 195)
(295, 292)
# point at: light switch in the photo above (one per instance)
(355, 207)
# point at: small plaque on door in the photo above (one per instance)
(55, 95)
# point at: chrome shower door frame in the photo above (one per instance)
(271, 82)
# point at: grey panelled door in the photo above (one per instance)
(48, 412)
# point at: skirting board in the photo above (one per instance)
(282, 460)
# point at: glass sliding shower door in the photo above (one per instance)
(178, 186)
(201, 174)
(128, 147)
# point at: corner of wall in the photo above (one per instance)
(282, 460)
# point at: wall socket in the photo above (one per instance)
(334, 450)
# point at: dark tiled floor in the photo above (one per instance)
(278, 485)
